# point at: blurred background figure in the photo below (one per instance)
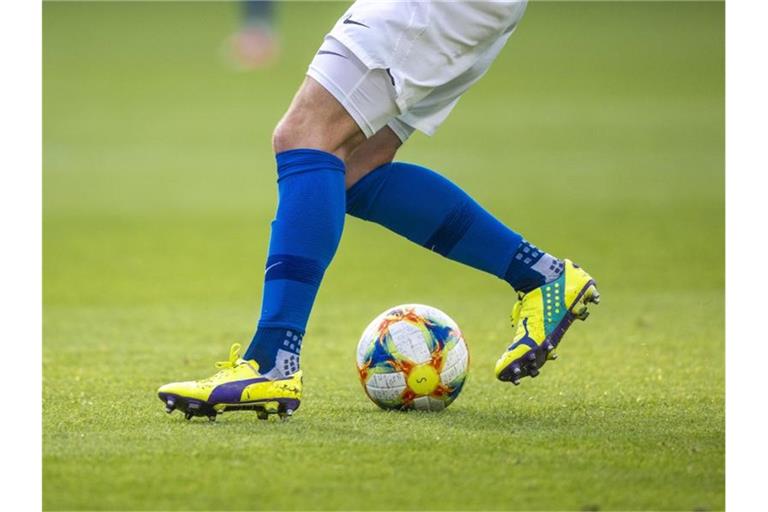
(255, 45)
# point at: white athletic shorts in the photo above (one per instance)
(405, 64)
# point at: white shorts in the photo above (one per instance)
(405, 64)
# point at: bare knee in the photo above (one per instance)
(288, 134)
(317, 120)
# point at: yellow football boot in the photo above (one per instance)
(237, 386)
(540, 319)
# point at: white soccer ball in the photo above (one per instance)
(412, 357)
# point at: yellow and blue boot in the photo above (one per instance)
(237, 386)
(541, 317)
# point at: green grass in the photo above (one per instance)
(598, 134)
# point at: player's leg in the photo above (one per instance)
(433, 212)
(318, 132)
(430, 210)
(334, 118)
(310, 143)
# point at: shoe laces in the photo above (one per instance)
(515, 316)
(234, 358)
(226, 366)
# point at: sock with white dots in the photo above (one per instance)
(531, 267)
(277, 351)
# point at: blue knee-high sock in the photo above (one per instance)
(305, 234)
(429, 210)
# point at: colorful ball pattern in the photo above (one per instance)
(412, 357)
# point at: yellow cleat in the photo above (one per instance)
(541, 317)
(237, 386)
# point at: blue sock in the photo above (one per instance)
(305, 234)
(429, 210)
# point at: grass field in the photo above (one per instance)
(598, 134)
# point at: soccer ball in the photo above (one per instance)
(412, 357)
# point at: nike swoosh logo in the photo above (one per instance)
(272, 266)
(326, 52)
(350, 21)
